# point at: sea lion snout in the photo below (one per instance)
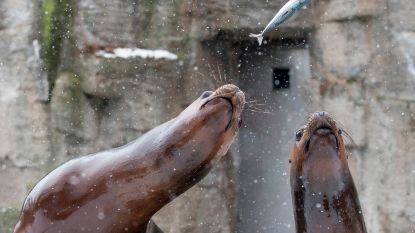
(228, 96)
(320, 130)
(234, 94)
(321, 138)
(323, 130)
(321, 123)
(227, 89)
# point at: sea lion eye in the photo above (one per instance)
(206, 94)
(299, 134)
(339, 132)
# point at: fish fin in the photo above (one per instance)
(259, 37)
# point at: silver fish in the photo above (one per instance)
(283, 14)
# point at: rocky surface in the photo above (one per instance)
(362, 60)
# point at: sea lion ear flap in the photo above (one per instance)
(152, 228)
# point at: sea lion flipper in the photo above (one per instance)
(153, 228)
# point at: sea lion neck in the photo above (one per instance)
(118, 190)
(184, 149)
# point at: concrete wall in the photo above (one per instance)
(265, 140)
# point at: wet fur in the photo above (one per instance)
(129, 184)
(325, 199)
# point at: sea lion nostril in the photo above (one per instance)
(206, 94)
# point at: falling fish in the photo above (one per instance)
(286, 12)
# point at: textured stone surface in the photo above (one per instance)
(400, 14)
(377, 111)
(338, 10)
(362, 61)
(338, 43)
(24, 141)
(21, 93)
(73, 120)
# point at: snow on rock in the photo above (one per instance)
(137, 52)
(407, 45)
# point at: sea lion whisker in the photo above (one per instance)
(200, 73)
(253, 106)
(257, 109)
(204, 76)
(265, 112)
(254, 102)
(350, 140)
(224, 76)
(251, 99)
(213, 74)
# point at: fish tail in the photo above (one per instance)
(259, 37)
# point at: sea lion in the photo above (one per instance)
(324, 196)
(118, 190)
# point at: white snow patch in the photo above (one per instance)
(137, 52)
(407, 45)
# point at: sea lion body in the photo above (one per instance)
(325, 199)
(118, 190)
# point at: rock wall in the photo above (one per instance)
(363, 67)
(24, 141)
(58, 99)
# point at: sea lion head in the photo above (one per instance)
(224, 105)
(203, 132)
(214, 118)
(324, 195)
(319, 154)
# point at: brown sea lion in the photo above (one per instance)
(118, 190)
(324, 196)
